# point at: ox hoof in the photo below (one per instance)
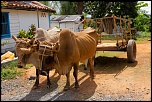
(76, 88)
(48, 86)
(35, 87)
(66, 88)
(92, 77)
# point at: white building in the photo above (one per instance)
(67, 21)
(17, 15)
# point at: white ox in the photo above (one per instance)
(26, 50)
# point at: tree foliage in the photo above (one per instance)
(47, 3)
(143, 22)
(99, 9)
(68, 8)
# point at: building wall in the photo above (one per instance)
(22, 19)
(62, 25)
(71, 25)
(54, 23)
(44, 20)
(26, 18)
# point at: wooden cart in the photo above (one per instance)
(120, 30)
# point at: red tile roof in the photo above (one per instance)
(34, 5)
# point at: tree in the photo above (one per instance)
(80, 7)
(95, 8)
(47, 3)
(68, 8)
(143, 22)
(55, 5)
(98, 9)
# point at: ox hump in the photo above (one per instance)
(66, 33)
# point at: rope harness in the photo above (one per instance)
(43, 53)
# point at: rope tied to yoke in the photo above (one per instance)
(54, 54)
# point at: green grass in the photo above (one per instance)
(12, 71)
(144, 36)
(28, 66)
(114, 54)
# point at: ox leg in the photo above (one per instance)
(85, 64)
(48, 80)
(67, 86)
(75, 74)
(37, 79)
(91, 61)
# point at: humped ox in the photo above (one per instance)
(68, 51)
(26, 50)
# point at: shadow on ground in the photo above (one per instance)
(86, 90)
(36, 94)
(109, 65)
(103, 65)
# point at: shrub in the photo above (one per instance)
(11, 71)
(29, 34)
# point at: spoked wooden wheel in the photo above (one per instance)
(131, 51)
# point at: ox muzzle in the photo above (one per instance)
(19, 66)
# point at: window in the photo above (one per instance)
(5, 25)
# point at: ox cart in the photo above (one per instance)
(115, 29)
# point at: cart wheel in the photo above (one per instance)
(131, 51)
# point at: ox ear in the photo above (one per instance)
(15, 38)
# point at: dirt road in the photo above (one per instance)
(115, 80)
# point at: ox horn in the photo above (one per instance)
(15, 38)
(25, 50)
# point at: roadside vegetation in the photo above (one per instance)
(143, 36)
(12, 71)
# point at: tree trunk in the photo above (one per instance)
(80, 7)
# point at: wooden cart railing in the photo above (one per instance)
(109, 24)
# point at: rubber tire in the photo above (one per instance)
(131, 51)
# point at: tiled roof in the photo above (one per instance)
(33, 5)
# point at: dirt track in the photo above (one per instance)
(115, 80)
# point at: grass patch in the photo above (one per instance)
(114, 54)
(12, 71)
(142, 37)
(28, 66)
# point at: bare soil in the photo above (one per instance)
(115, 79)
